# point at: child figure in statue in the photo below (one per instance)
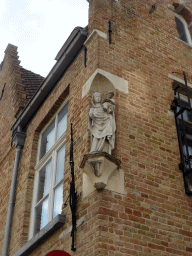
(102, 123)
(109, 103)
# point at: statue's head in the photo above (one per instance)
(97, 97)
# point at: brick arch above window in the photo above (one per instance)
(184, 12)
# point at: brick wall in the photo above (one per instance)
(154, 217)
(7, 153)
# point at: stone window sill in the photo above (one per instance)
(40, 237)
(183, 42)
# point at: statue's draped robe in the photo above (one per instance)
(102, 127)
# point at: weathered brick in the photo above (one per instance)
(153, 216)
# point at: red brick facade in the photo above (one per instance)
(154, 216)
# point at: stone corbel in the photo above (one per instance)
(101, 170)
(95, 32)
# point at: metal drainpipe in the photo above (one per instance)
(18, 138)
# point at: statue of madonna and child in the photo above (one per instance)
(102, 123)
(101, 169)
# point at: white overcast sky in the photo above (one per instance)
(39, 28)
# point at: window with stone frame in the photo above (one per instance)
(49, 176)
(182, 29)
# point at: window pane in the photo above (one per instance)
(62, 121)
(60, 164)
(181, 29)
(58, 200)
(189, 150)
(44, 180)
(48, 139)
(41, 215)
(185, 114)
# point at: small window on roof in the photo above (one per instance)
(182, 29)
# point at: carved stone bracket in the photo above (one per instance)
(101, 170)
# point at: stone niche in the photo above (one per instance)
(102, 171)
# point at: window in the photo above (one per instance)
(48, 188)
(187, 116)
(183, 119)
(182, 29)
(189, 145)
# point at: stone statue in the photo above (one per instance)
(102, 123)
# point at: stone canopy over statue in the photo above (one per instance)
(102, 123)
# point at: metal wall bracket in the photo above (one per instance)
(85, 56)
(110, 32)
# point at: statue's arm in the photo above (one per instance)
(91, 114)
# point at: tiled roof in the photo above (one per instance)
(32, 82)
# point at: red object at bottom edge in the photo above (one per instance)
(57, 253)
